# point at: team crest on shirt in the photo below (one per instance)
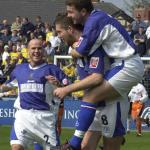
(79, 41)
(94, 62)
(65, 81)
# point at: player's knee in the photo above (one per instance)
(113, 143)
(87, 146)
(17, 147)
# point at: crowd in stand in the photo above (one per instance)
(140, 33)
(14, 38)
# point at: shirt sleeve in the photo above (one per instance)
(59, 74)
(86, 42)
(63, 77)
(94, 33)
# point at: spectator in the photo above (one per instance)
(17, 24)
(39, 24)
(10, 45)
(48, 31)
(14, 53)
(14, 36)
(50, 52)
(54, 39)
(18, 44)
(55, 42)
(24, 50)
(32, 36)
(21, 59)
(140, 41)
(130, 31)
(27, 27)
(138, 23)
(4, 26)
(5, 54)
(23, 38)
(39, 33)
(148, 40)
(8, 66)
(5, 37)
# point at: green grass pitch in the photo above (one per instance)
(132, 141)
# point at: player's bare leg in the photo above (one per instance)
(138, 126)
(112, 143)
(17, 147)
(102, 92)
(91, 140)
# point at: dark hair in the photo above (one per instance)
(78, 27)
(63, 20)
(80, 4)
(67, 21)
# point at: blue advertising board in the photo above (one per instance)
(71, 109)
(7, 113)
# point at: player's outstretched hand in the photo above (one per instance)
(60, 92)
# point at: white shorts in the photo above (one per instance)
(35, 126)
(125, 74)
(111, 119)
